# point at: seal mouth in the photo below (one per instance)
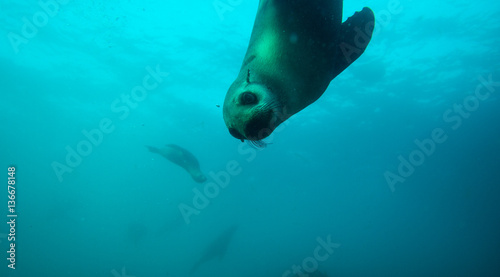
(259, 127)
(265, 118)
(264, 122)
(235, 133)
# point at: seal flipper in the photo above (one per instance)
(153, 149)
(354, 36)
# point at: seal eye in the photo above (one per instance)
(248, 98)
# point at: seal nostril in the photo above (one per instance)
(236, 134)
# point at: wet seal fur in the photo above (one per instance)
(182, 158)
(296, 49)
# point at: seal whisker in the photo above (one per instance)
(273, 105)
(257, 144)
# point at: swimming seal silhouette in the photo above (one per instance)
(296, 49)
(182, 158)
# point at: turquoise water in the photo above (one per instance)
(394, 171)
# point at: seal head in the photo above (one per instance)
(251, 111)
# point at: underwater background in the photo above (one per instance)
(396, 167)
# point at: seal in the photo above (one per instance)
(182, 158)
(217, 248)
(296, 49)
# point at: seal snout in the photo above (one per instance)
(259, 127)
(236, 134)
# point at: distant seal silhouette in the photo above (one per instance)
(217, 248)
(182, 158)
(296, 49)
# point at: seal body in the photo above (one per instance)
(182, 158)
(296, 48)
